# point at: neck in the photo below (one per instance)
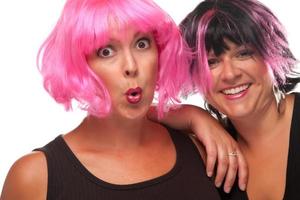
(263, 125)
(113, 133)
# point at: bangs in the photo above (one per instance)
(247, 23)
(87, 25)
(117, 15)
(237, 29)
(250, 23)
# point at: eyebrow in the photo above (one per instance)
(137, 34)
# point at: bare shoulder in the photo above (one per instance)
(27, 178)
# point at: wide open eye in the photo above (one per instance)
(105, 52)
(143, 43)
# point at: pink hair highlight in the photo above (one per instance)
(83, 27)
(276, 62)
(202, 76)
(272, 45)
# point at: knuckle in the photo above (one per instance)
(221, 173)
(218, 180)
(230, 180)
(212, 151)
(233, 166)
(223, 160)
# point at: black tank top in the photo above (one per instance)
(68, 179)
(292, 187)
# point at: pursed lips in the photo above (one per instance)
(134, 95)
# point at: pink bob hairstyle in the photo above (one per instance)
(83, 27)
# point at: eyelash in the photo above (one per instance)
(111, 49)
(143, 39)
(105, 48)
(245, 53)
(212, 62)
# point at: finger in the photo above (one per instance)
(223, 162)
(152, 113)
(211, 157)
(231, 172)
(243, 172)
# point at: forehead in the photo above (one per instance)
(126, 33)
(103, 22)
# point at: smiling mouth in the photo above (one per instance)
(134, 95)
(236, 90)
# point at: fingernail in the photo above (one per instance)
(227, 189)
(209, 174)
(218, 184)
(243, 187)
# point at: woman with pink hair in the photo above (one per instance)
(111, 56)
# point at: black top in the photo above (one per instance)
(292, 187)
(68, 179)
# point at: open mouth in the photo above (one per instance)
(134, 95)
(236, 90)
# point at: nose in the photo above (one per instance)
(230, 73)
(130, 65)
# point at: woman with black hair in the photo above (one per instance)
(246, 72)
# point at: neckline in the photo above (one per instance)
(292, 145)
(292, 135)
(147, 183)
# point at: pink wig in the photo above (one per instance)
(84, 26)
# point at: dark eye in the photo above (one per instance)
(212, 62)
(143, 43)
(105, 52)
(245, 53)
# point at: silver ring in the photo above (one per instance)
(233, 153)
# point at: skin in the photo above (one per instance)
(242, 90)
(128, 147)
(216, 144)
(122, 64)
(239, 68)
(226, 70)
(253, 112)
(27, 178)
(123, 58)
(117, 141)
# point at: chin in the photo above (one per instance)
(135, 114)
(238, 114)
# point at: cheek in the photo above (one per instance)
(267, 83)
(214, 76)
(208, 98)
(110, 80)
(213, 99)
(107, 79)
(150, 69)
(154, 70)
(153, 75)
(107, 83)
(264, 74)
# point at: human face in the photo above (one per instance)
(127, 65)
(241, 85)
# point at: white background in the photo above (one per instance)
(29, 118)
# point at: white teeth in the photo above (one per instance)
(235, 90)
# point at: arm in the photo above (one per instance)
(217, 142)
(26, 179)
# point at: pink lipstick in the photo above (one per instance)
(134, 95)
